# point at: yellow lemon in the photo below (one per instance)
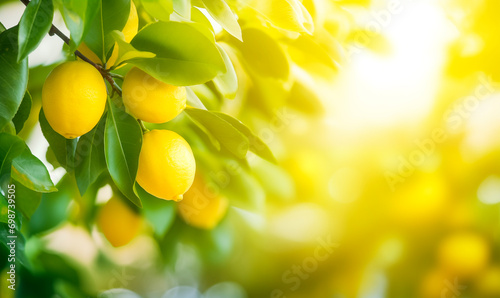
(118, 222)
(202, 206)
(166, 165)
(463, 254)
(151, 100)
(129, 31)
(73, 98)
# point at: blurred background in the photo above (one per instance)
(387, 182)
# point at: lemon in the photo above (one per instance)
(202, 207)
(73, 98)
(151, 100)
(463, 254)
(129, 31)
(166, 165)
(118, 222)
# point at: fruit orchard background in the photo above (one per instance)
(354, 141)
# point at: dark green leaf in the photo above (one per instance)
(20, 242)
(27, 200)
(229, 137)
(64, 149)
(257, 146)
(158, 9)
(89, 156)
(160, 213)
(226, 83)
(221, 13)
(111, 15)
(13, 76)
(31, 172)
(34, 25)
(122, 145)
(55, 204)
(78, 16)
(23, 112)
(187, 57)
(10, 147)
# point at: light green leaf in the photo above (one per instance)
(111, 15)
(34, 25)
(263, 54)
(2, 28)
(305, 100)
(126, 51)
(78, 16)
(257, 146)
(122, 145)
(160, 213)
(226, 83)
(187, 57)
(221, 13)
(160, 9)
(28, 170)
(89, 156)
(193, 100)
(23, 112)
(13, 76)
(63, 149)
(183, 8)
(228, 136)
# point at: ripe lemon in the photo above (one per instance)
(151, 100)
(118, 222)
(463, 254)
(202, 207)
(129, 31)
(166, 165)
(73, 98)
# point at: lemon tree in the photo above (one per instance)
(151, 121)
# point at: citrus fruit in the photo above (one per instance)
(73, 98)
(202, 207)
(166, 165)
(118, 222)
(463, 254)
(129, 31)
(151, 100)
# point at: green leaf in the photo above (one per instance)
(187, 57)
(226, 83)
(27, 200)
(304, 100)
(13, 76)
(183, 8)
(78, 16)
(89, 156)
(263, 54)
(160, 213)
(2, 28)
(64, 149)
(23, 112)
(193, 100)
(160, 9)
(126, 51)
(257, 146)
(55, 204)
(111, 15)
(10, 147)
(34, 25)
(9, 128)
(122, 145)
(228, 136)
(20, 243)
(31, 172)
(221, 13)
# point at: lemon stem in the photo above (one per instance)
(143, 127)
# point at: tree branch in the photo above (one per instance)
(105, 74)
